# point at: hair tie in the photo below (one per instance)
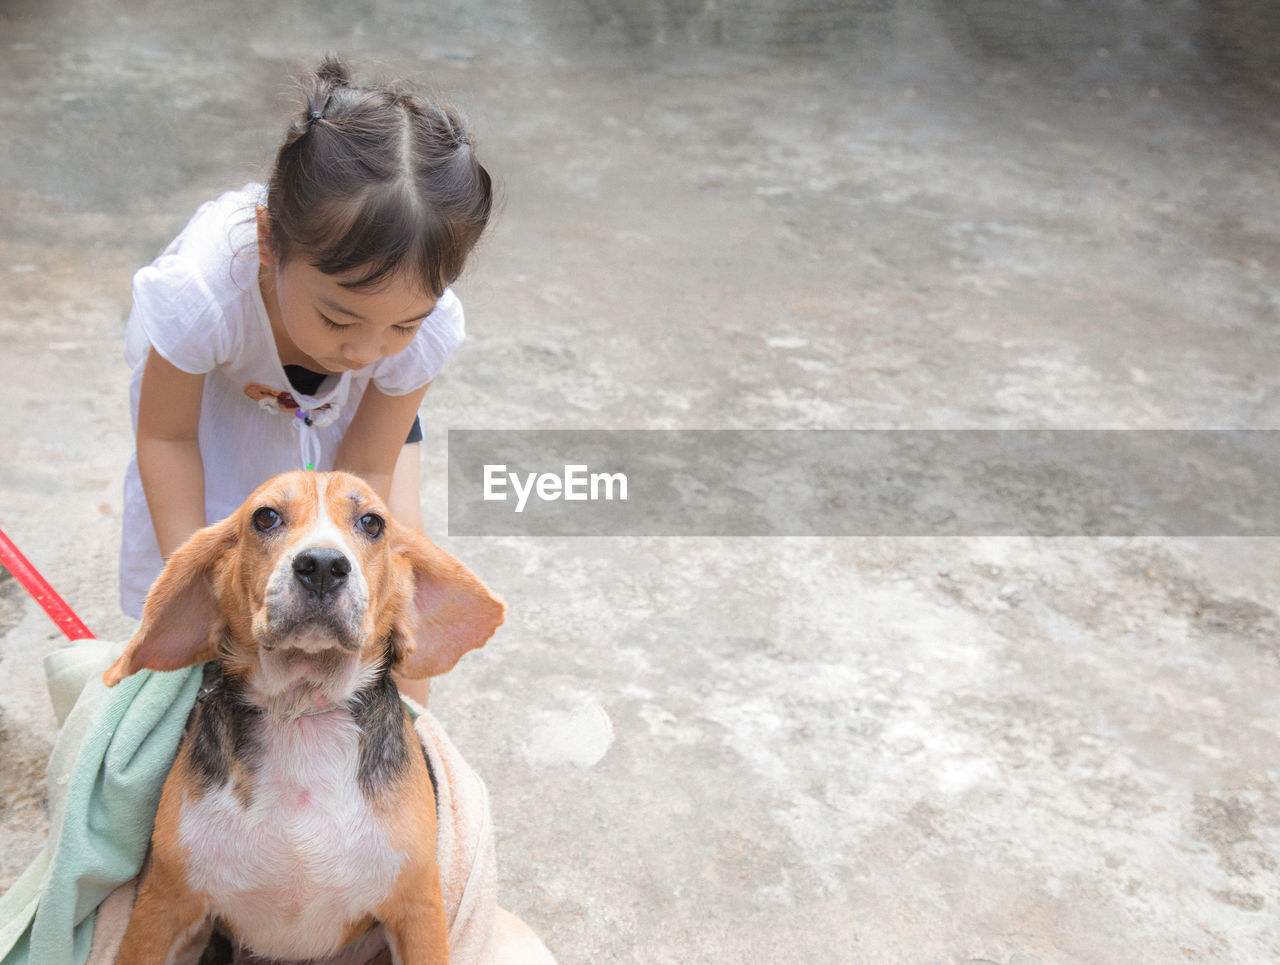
(313, 117)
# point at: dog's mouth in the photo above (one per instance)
(311, 634)
(317, 664)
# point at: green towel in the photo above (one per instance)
(105, 775)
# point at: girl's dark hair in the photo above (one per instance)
(375, 181)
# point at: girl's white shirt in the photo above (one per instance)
(199, 306)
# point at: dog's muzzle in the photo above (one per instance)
(312, 599)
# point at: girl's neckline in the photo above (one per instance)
(305, 380)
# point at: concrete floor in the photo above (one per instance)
(894, 215)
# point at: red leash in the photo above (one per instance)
(41, 591)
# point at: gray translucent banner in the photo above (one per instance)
(864, 482)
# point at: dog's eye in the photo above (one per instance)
(266, 519)
(372, 524)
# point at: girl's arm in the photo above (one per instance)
(373, 447)
(168, 444)
(404, 500)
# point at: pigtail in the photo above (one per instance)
(444, 125)
(318, 88)
(333, 71)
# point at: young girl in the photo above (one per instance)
(300, 324)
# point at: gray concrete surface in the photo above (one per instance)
(765, 215)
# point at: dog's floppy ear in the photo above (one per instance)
(450, 612)
(180, 618)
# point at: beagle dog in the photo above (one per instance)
(298, 821)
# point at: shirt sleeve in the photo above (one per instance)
(175, 313)
(440, 334)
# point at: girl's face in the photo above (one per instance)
(323, 326)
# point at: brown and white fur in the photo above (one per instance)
(299, 819)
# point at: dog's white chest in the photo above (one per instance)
(304, 858)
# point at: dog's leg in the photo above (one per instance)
(168, 921)
(413, 916)
(169, 918)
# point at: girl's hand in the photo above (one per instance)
(169, 460)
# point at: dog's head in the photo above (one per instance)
(308, 584)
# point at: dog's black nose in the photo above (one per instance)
(321, 570)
